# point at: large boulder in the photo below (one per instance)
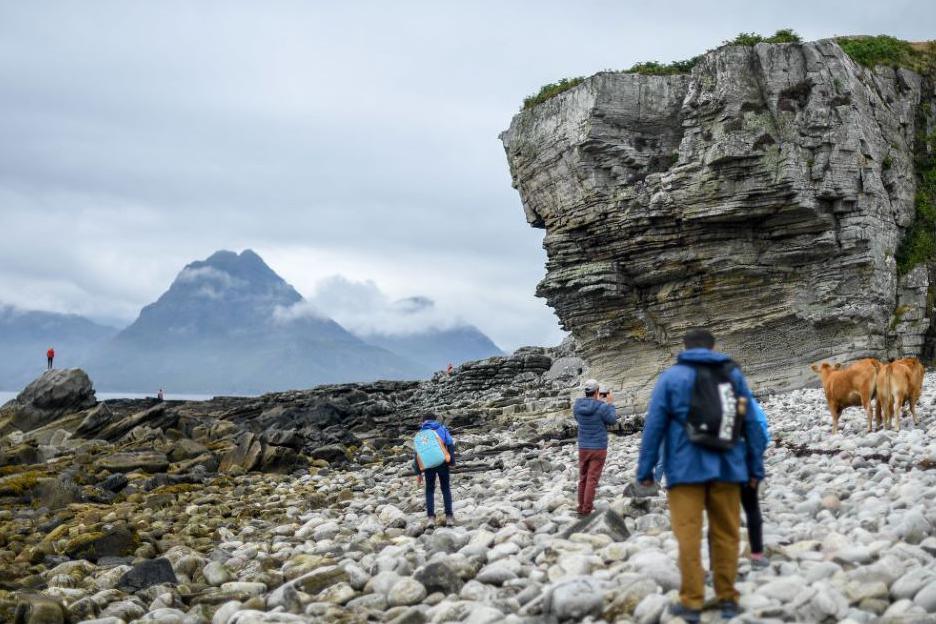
(52, 395)
(763, 195)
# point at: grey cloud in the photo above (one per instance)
(364, 309)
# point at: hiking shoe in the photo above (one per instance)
(690, 616)
(760, 563)
(449, 520)
(729, 609)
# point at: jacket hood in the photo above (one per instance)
(435, 425)
(701, 356)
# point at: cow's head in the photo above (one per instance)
(824, 368)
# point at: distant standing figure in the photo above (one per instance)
(50, 355)
(593, 415)
(159, 395)
(449, 370)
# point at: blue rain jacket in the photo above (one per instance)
(593, 417)
(683, 461)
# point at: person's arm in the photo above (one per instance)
(761, 420)
(416, 466)
(609, 414)
(654, 428)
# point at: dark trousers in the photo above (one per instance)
(591, 463)
(443, 473)
(50, 363)
(755, 524)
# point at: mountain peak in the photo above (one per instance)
(224, 293)
(247, 269)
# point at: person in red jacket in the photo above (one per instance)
(50, 355)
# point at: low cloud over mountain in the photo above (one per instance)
(230, 324)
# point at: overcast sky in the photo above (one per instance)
(344, 138)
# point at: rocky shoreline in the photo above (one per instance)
(97, 532)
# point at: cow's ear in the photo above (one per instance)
(838, 366)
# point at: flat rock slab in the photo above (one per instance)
(147, 461)
(118, 542)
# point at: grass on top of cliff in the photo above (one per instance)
(551, 90)
(653, 68)
(886, 50)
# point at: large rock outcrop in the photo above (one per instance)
(762, 196)
(50, 396)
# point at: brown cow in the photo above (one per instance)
(848, 387)
(893, 386)
(917, 371)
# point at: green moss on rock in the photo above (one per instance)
(120, 542)
(19, 484)
(919, 241)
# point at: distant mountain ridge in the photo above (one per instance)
(436, 348)
(216, 330)
(230, 325)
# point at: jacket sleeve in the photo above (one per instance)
(415, 465)
(754, 436)
(609, 414)
(654, 428)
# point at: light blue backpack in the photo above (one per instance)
(430, 450)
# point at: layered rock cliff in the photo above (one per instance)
(762, 196)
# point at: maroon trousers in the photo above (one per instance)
(591, 462)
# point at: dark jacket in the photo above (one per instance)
(447, 440)
(593, 417)
(684, 461)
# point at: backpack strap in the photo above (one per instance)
(445, 453)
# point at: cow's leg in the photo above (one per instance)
(833, 409)
(898, 406)
(866, 404)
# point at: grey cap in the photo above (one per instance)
(591, 385)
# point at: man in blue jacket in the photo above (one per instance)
(593, 416)
(699, 478)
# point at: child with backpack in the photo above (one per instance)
(434, 454)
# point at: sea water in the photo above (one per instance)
(104, 396)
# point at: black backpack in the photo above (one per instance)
(715, 410)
